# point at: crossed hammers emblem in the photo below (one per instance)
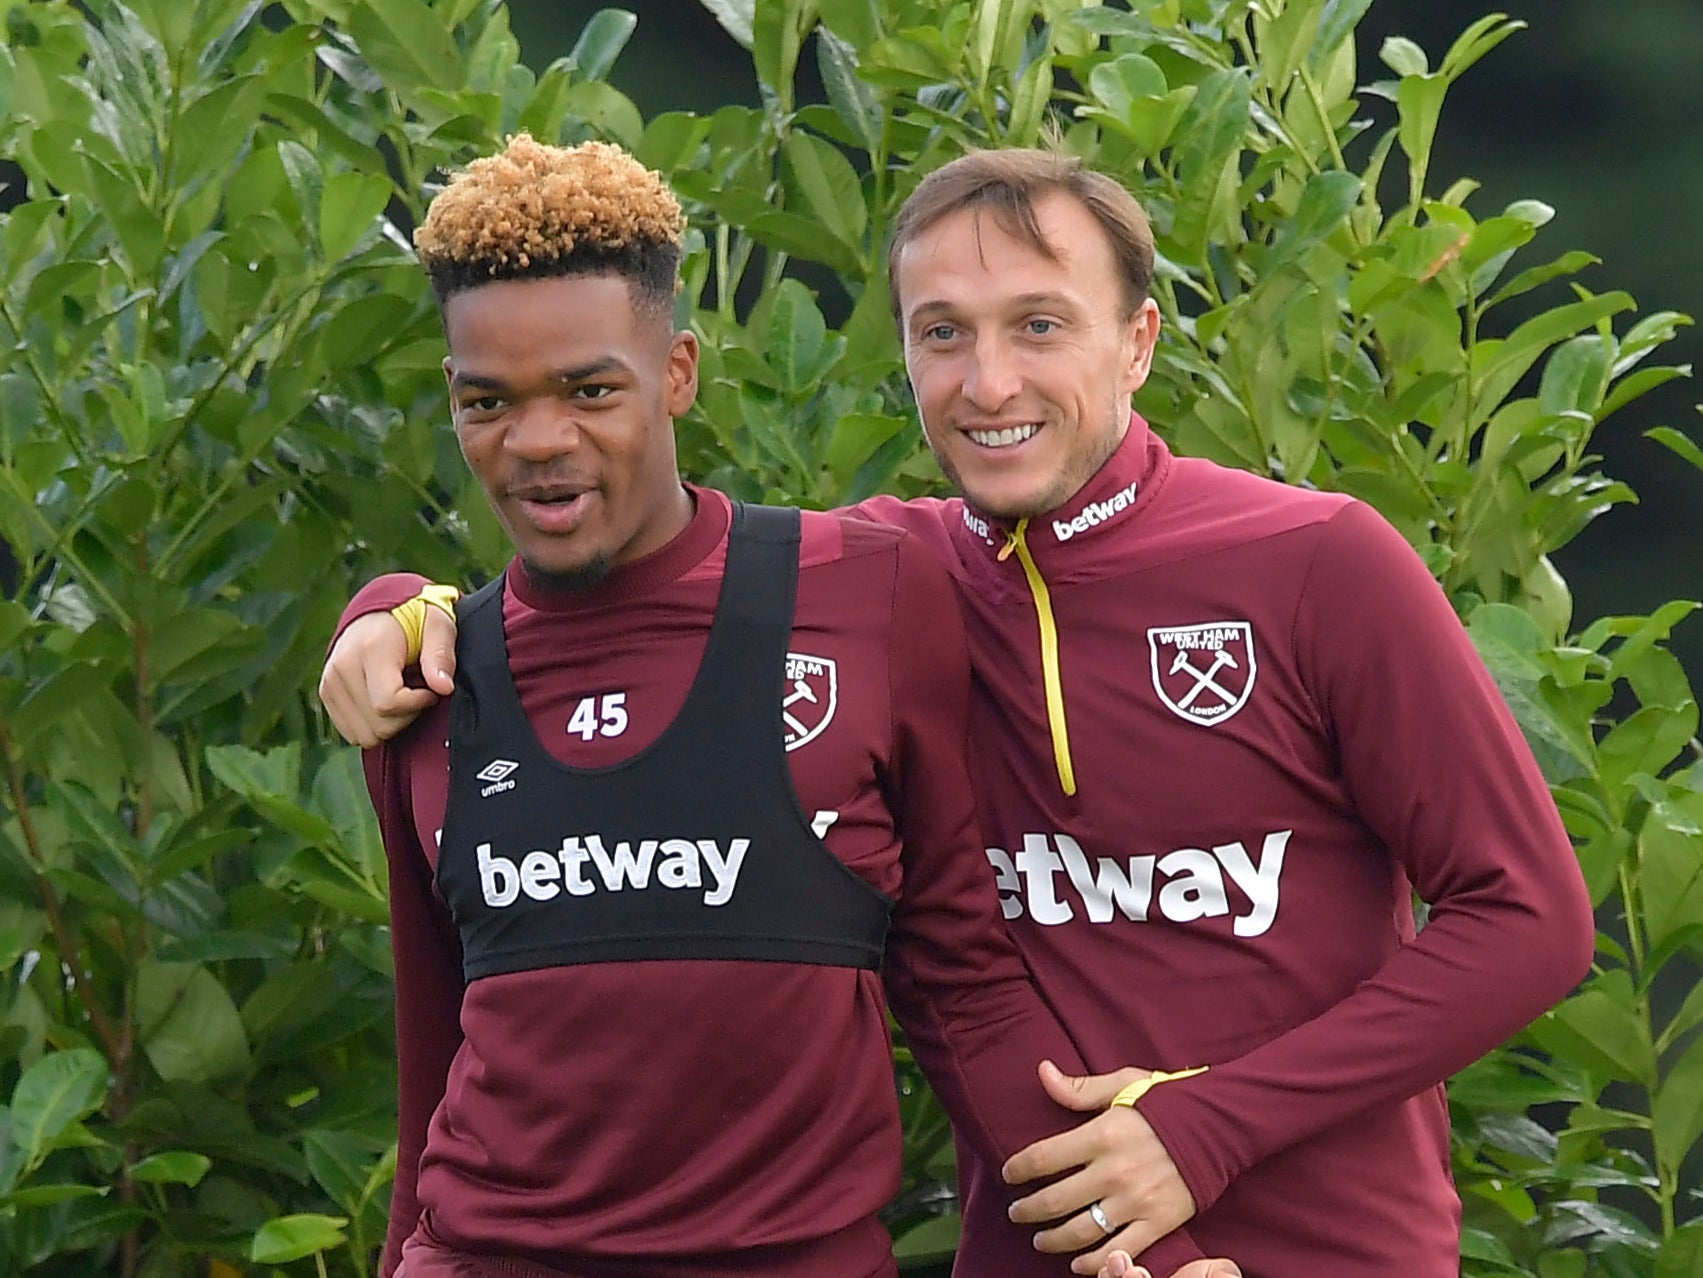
(800, 692)
(1204, 679)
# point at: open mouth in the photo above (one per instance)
(1005, 437)
(554, 511)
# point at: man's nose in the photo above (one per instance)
(992, 379)
(541, 429)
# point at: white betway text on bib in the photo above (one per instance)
(584, 864)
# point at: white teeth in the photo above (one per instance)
(1003, 438)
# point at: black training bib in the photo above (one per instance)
(695, 848)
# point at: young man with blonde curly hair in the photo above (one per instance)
(699, 787)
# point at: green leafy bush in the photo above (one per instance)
(221, 407)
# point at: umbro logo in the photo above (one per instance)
(496, 772)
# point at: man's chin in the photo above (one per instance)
(1006, 504)
(568, 577)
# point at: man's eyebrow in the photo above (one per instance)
(940, 306)
(596, 368)
(464, 380)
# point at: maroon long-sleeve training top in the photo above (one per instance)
(602, 1116)
(1277, 733)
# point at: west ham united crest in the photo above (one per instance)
(808, 697)
(1203, 673)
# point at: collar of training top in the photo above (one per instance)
(1105, 502)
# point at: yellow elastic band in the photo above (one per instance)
(1136, 1090)
(1049, 656)
(411, 616)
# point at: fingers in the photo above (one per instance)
(1062, 1198)
(437, 652)
(1077, 1147)
(1125, 1243)
(1086, 1092)
(361, 686)
(1120, 1264)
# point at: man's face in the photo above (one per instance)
(563, 399)
(1022, 365)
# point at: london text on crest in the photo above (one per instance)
(1203, 672)
(808, 697)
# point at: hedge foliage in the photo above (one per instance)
(221, 408)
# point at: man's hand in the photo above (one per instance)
(1120, 1265)
(1117, 1165)
(361, 686)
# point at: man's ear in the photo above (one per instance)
(1141, 339)
(681, 373)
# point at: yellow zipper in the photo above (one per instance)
(1049, 654)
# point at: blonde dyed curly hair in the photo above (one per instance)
(532, 211)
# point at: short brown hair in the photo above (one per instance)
(534, 210)
(1008, 183)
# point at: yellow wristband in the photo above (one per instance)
(1136, 1090)
(411, 616)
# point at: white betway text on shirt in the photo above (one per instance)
(1094, 513)
(584, 864)
(1190, 883)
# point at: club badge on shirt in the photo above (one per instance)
(808, 697)
(1203, 672)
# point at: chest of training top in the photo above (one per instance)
(695, 848)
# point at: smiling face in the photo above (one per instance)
(1022, 364)
(563, 396)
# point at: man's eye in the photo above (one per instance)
(483, 404)
(593, 391)
(1041, 327)
(940, 332)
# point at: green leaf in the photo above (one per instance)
(802, 237)
(252, 773)
(60, 1089)
(1645, 742)
(189, 1026)
(600, 43)
(349, 208)
(855, 439)
(1125, 80)
(852, 99)
(607, 110)
(797, 336)
(1673, 440)
(1324, 206)
(932, 1242)
(1499, 365)
(736, 17)
(53, 1195)
(857, 22)
(1403, 56)
(215, 128)
(340, 796)
(1678, 1109)
(827, 185)
(1419, 102)
(776, 40)
(1336, 24)
(173, 1167)
(407, 44)
(1681, 1255)
(288, 1238)
(1599, 1029)
(1575, 376)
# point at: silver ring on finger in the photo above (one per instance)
(1098, 1213)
